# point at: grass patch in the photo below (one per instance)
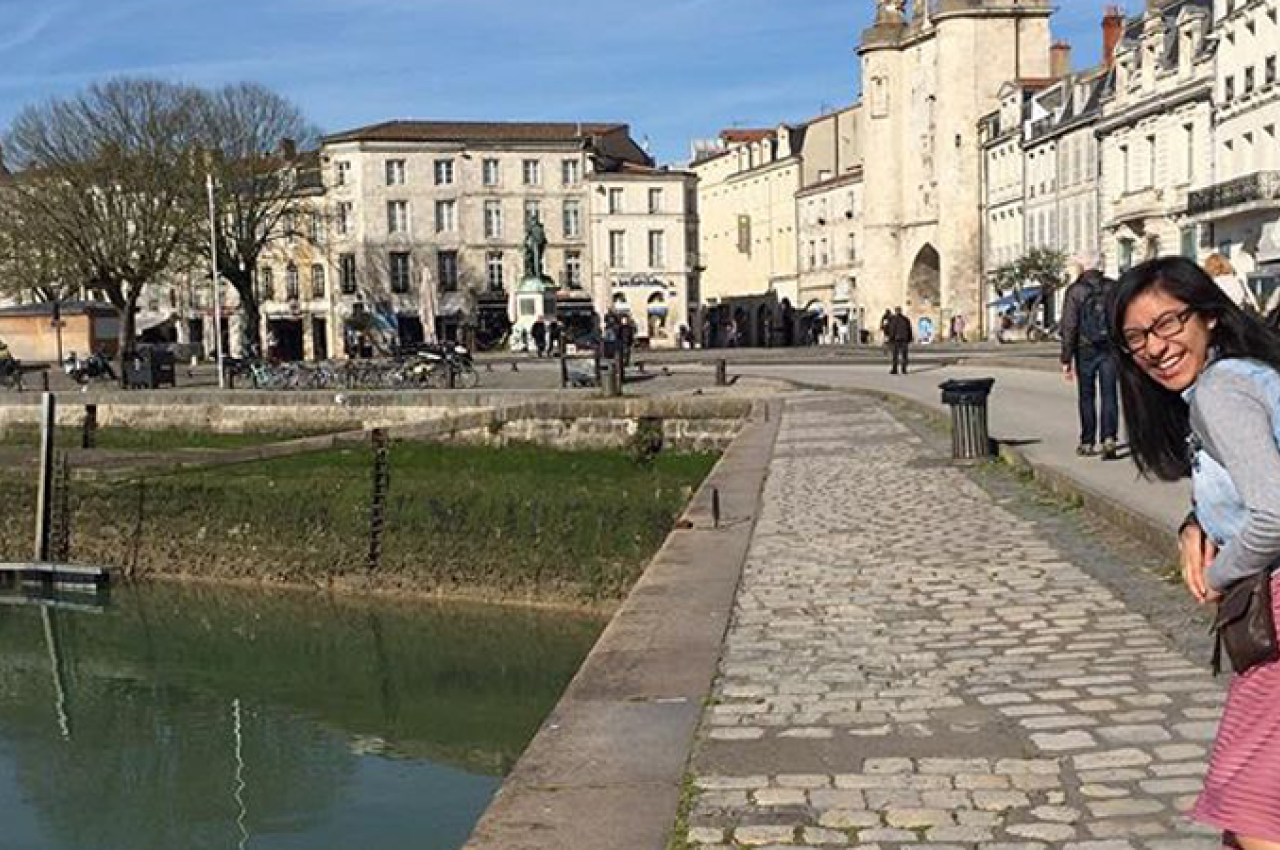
(139, 440)
(517, 521)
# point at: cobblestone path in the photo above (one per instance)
(911, 665)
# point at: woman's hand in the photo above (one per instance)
(1198, 552)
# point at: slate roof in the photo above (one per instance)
(475, 131)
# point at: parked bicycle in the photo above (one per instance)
(425, 367)
(95, 367)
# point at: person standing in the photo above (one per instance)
(900, 336)
(1201, 385)
(554, 334)
(1088, 359)
(539, 334)
(885, 321)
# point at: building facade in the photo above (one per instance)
(929, 75)
(746, 208)
(438, 212)
(1237, 207)
(644, 238)
(1155, 133)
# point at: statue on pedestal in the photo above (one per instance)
(535, 249)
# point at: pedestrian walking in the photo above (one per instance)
(900, 336)
(1088, 359)
(539, 334)
(555, 331)
(1200, 381)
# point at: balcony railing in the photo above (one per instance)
(1260, 186)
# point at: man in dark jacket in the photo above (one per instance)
(1088, 359)
(900, 336)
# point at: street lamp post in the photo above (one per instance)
(213, 280)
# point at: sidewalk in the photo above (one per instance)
(1035, 411)
(911, 663)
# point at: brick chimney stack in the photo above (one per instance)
(1060, 59)
(1112, 32)
(288, 149)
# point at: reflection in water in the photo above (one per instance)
(192, 717)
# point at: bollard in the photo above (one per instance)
(722, 373)
(44, 493)
(564, 366)
(970, 438)
(715, 506)
(620, 368)
(451, 376)
(89, 434)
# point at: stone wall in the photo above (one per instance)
(688, 423)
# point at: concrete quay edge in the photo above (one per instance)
(606, 769)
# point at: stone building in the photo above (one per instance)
(747, 184)
(829, 208)
(929, 75)
(1237, 206)
(765, 198)
(1155, 132)
(1003, 177)
(443, 206)
(1061, 152)
(644, 238)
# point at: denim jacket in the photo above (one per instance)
(1225, 405)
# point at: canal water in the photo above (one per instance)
(192, 717)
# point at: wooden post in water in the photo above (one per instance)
(378, 505)
(44, 495)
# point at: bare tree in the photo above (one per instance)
(103, 187)
(252, 136)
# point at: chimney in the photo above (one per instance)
(1060, 59)
(288, 149)
(1112, 30)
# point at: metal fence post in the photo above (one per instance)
(378, 505)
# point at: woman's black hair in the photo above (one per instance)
(1158, 419)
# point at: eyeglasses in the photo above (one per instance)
(1166, 326)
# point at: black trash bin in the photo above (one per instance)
(149, 368)
(967, 398)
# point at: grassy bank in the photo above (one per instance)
(520, 521)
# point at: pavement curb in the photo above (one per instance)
(607, 768)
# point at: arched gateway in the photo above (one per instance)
(924, 284)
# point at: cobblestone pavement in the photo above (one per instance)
(911, 664)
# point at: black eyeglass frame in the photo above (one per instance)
(1181, 317)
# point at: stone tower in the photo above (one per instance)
(927, 78)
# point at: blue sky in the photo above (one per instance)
(675, 70)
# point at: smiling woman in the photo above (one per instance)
(1201, 385)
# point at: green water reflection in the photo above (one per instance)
(190, 717)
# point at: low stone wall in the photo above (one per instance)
(248, 412)
(684, 424)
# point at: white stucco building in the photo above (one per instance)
(644, 237)
(1237, 205)
(1155, 133)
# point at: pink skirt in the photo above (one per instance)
(1242, 789)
